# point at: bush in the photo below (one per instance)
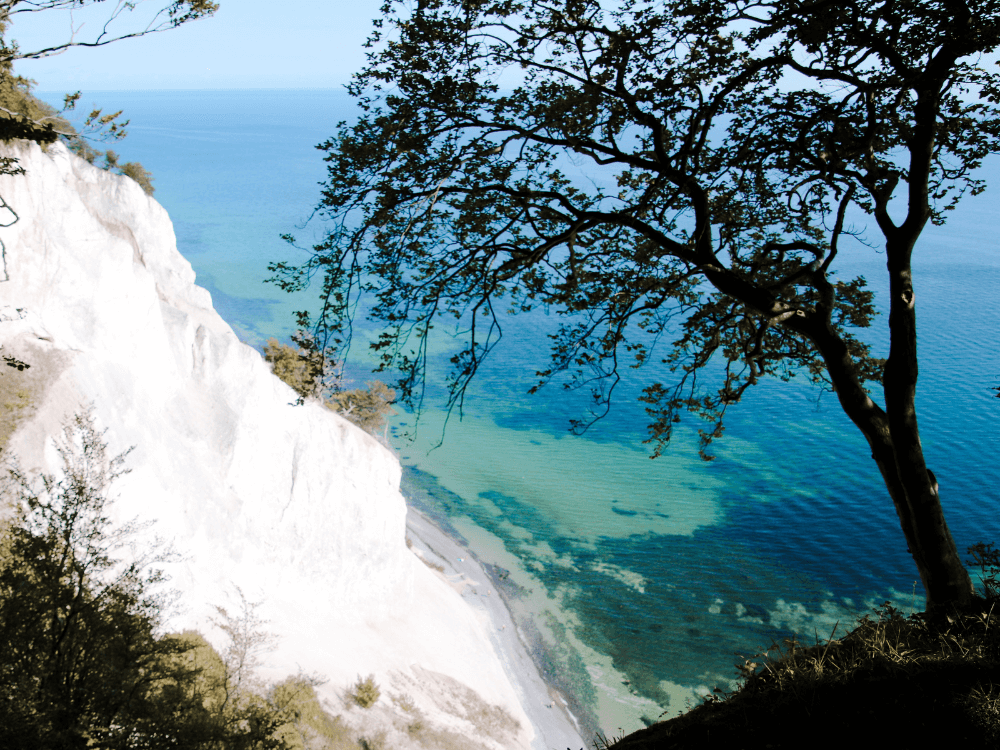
(367, 408)
(23, 115)
(132, 169)
(365, 692)
(309, 724)
(301, 370)
(405, 702)
(304, 369)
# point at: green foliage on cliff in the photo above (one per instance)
(132, 169)
(365, 692)
(312, 726)
(82, 660)
(19, 108)
(139, 174)
(25, 116)
(366, 407)
(302, 368)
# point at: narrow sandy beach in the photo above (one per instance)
(555, 727)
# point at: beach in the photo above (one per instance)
(555, 726)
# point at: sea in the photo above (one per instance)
(639, 584)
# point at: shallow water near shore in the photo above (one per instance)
(644, 579)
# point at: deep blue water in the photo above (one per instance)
(642, 578)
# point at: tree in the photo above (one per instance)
(77, 624)
(366, 407)
(132, 169)
(82, 662)
(734, 138)
(300, 367)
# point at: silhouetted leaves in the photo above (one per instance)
(724, 144)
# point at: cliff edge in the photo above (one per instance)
(294, 505)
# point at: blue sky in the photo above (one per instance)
(246, 44)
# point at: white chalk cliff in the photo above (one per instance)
(293, 504)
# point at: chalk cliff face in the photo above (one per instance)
(293, 504)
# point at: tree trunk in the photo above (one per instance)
(916, 495)
(941, 571)
(892, 434)
(895, 444)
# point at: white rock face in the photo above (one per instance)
(293, 504)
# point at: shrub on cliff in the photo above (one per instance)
(310, 726)
(20, 109)
(365, 692)
(302, 367)
(298, 368)
(366, 407)
(132, 169)
(23, 115)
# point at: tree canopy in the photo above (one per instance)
(728, 142)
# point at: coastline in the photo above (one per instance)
(547, 708)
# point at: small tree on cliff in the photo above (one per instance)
(82, 660)
(300, 367)
(735, 138)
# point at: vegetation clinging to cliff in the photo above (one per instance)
(81, 658)
(303, 369)
(25, 116)
(365, 692)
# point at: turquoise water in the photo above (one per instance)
(640, 579)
